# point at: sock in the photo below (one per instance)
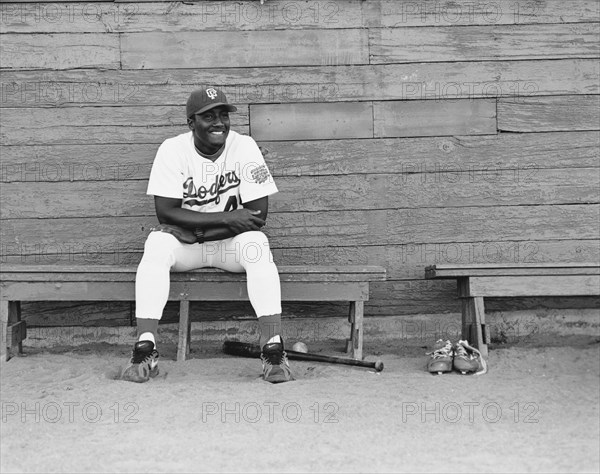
(147, 329)
(269, 326)
(147, 336)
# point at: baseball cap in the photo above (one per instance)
(205, 99)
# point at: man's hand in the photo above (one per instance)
(243, 220)
(183, 235)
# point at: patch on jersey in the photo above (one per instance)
(260, 174)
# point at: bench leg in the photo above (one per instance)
(183, 346)
(354, 346)
(473, 323)
(13, 329)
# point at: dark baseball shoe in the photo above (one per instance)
(442, 357)
(276, 368)
(143, 363)
(468, 360)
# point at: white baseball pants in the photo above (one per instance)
(249, 252)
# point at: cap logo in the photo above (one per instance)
(211, 93)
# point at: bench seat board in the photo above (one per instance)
(283, 269)
(185, 277)
(454, 271)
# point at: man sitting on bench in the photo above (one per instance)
(211, 188)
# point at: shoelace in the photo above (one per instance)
(140, 358)
(460, 351)
(274, 357)
(445, 351)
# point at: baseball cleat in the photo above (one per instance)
(441, 358)
(468, 360)
(143, 363)
(276, 368)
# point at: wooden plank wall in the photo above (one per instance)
(400, 133)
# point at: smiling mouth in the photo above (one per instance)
(217, 133)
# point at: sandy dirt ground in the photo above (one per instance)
(537, 410)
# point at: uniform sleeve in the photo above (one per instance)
(167, 176)
(257, 181)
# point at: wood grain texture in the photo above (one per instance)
(73, 125)
(444, 188)
(432, 118)
(133, 17)
(392, 13)
(544, 285)
(47, 16)
(207, 49)
(580, 112)
(480, 43)
(277, 122)
(486, 158)
(198, 291)
(437, 81)
(402, 261)
(511, 269)
(330, 228)
(59, 51)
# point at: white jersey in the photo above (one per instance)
(239, 175)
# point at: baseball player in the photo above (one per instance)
(211, 188)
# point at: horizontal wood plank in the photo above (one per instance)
(330, 228)
(429, 118)
(540, 285)
(206, 49)
(397, 14)
(444, 188)
(99, 125)
(499, 158)
(536, 114)
(277, 122)
(509, 269)
(51, 273)
(76, 16)
(59, 51)
(448, 80)
(484, 43)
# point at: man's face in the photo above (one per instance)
(210, 129)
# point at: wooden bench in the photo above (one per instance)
(117, 283)
(475, 282)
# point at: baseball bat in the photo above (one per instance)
(244, 349)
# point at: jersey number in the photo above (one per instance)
(232, 204)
